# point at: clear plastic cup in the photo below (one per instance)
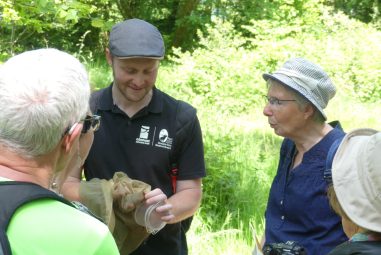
(146, 216)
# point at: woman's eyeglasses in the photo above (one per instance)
(275, 101)
(91, 121)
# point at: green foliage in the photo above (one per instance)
(177, 20)
(60, 24)
(216, 75)
(99, 73)
(229, 241)
(240, 168)
(364, 10)
(343, 47)
(224, 73)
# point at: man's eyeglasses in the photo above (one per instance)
(275, 101)
(91, 121)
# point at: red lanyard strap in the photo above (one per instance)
(174, 173)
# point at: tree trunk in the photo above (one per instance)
(129, 8)
(184, 29)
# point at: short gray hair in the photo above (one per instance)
(42, 93)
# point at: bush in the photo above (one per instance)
(225, 74)
(219, 76)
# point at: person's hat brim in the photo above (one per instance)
(356, 176)
(287, 81)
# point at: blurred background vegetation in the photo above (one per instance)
(217, 51)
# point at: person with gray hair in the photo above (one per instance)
(44, 97)
(298, 208)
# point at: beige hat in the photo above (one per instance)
(356, 175)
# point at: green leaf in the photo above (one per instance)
(72, 15)
(97, 22)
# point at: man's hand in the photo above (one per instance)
(165, 211)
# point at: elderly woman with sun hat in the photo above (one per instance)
(298, 208)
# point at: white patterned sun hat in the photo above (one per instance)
(308, 79)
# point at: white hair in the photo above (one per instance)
(42, 93)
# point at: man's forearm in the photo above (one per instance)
(185, 202)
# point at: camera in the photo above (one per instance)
(287, 248)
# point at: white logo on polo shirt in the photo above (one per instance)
(164, 140)
(159, 139)
(163, 135)
(144, 131)
(143, 137)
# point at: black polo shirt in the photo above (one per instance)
(144, 146)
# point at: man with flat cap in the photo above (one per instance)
(147, 134)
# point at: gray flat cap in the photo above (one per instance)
(135, 38)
